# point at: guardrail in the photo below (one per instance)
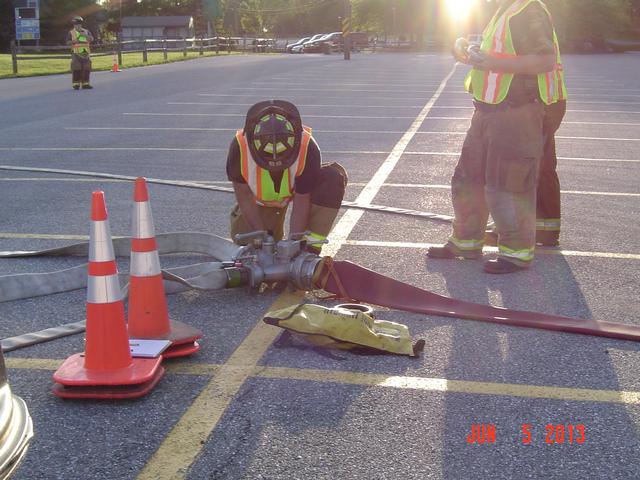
(144, 46)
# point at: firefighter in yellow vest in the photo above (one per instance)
(515, 74)
(548, 206)
(273, 162)
(80, 40)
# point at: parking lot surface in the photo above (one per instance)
(243, 408)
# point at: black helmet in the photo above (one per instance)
(77, 19)
(273, 130)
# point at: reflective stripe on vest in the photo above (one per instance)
(551, 84)
(259, 179)
(79, 42)
(492, 87)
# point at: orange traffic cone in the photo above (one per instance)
(115, 67)
(106, 368)
(148, 314)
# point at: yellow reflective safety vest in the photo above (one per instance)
(492, 87)
(259, 179)
(79, 42)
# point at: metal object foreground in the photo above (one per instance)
(16, 427)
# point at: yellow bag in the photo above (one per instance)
(344, 328)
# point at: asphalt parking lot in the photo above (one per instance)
(242, 408)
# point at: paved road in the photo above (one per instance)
(242, 408)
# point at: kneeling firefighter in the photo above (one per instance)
(274, 161)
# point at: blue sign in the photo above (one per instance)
(27, 23)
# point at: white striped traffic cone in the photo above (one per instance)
(148, 314)
(106, 368)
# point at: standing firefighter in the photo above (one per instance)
(80, 39)
(515, 73)
(548, 206)
(274, 161)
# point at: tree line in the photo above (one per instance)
(417, 20)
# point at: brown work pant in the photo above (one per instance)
(497, 174)
(548, 194)
(326, 199)
(80, 69)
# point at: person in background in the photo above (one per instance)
(80, 40)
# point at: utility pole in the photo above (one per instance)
(346, 30)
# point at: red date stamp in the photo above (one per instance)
(554, 434)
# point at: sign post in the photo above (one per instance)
(346, 29)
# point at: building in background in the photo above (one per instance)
(157, 28)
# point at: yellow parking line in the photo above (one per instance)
(453, 386)
(184, 442)
(33, 363)
(228, 378)
(44, 236)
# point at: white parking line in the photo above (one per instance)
(348, 90)
(351, 184)
(470, 107)
(311, 85)
(347, 222)
(106, 149)
(448, 187)
(367, 132)
(152, 114)
(620, 124)
(299, 105)
(572, 94)
(242, 115)
(257, 95)
(101, 180)
(543, 251)
(569, 159)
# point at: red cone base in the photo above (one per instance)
(181, 350)
(73, 372)
(108, 392)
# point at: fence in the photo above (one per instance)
(145, 46)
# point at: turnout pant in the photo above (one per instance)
(80, 69)
(326, 198)
(497, 174)
(548, 195)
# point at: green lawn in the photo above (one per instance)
(47, 66)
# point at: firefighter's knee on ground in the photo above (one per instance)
(329, 191)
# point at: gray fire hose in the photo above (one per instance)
(261, 260)
(177, 183)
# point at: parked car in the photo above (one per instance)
(331, 41)
(312, 44)
(359, 40)
(290, 46)
(262, 45)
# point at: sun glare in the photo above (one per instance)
(459, 10)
